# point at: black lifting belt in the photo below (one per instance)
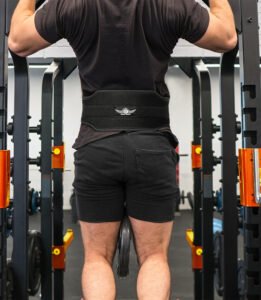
(126, 110)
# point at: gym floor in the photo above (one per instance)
(180, 261)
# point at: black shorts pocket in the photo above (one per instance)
(156, 171)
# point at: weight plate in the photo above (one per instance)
(9, 221)
(219, 200)
(30, 195)
(9, 280)
(182, 197)
(124, 243)
(73, 208)
(177, 198)
(190, 200)
(34, 261)
(35, 204)
(33, 201)
(241, 277)
(218, 275)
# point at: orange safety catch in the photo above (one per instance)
(197, 252)
(247, 177)
(196, 156)
(59, 252)
(4, 178)
(58, 157)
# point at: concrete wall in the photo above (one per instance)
(181, 120)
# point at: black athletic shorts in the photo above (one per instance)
(132, 173)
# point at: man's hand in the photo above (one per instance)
(221, 34)
(23, 37)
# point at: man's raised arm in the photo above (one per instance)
(23, 37)
(221, 34)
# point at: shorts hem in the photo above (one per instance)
(95, 221)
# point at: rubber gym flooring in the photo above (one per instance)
(180, 260)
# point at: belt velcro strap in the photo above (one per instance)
(126, 110)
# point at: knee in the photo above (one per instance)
(99, 257)
(152, 256)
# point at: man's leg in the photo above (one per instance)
(152, 242)
(99, 240)
(151, 164)
(100, 207)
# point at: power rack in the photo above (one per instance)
(201, 237)
(251, 139)
(206, 180)
(3, 138)
(50, 245)
(196, 168)
(51, 162)
(52, 167)
(237, 280)
(229, 263)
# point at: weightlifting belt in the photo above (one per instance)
(125, 110)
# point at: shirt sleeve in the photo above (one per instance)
(46, 21)
(189, 20)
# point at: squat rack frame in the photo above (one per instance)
(251, 137)
(207, 204)
(196, 144)
(52, 287)
(249, 59)
(53, 203)
(246, 17)
(229, 176)
(52, 167)
(202, 238)
(3, 135)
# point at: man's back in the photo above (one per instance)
(123, 44)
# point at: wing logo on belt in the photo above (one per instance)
(125, 111)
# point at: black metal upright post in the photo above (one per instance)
(58, 183)
(197, 226)
(206, 181)
(251, 134)
(46, 180)
(21, 167)
(3, 136)
(189, 67)
(229, 176)
(3, 75)
(20, 178)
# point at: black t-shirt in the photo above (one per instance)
(121, 44)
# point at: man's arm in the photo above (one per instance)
(23, 37)
(221, 34)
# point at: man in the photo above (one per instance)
(125, 147)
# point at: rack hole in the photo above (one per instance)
(251, 89)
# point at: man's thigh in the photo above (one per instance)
(151, 238)
(100, 239)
